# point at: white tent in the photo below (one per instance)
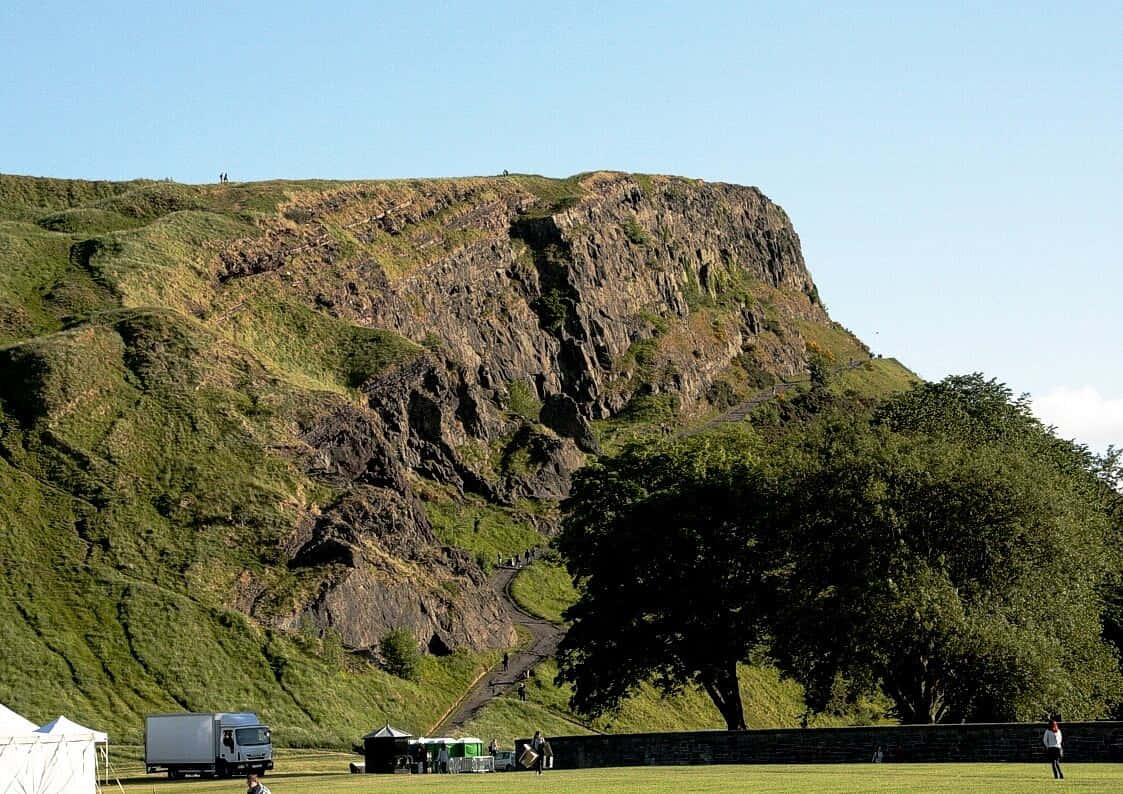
(59, 757)
(12, 724)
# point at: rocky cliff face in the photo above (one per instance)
(578, 297)
(518, 289)
(579, 300)
(554, 295)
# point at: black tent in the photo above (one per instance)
(386, 750)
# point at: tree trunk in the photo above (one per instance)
(724, 689)
(918, 701)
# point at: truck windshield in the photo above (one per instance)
(248, 736)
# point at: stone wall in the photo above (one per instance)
(1083, 741)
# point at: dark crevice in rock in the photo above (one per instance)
(438, 647)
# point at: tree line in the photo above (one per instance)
(941, 547)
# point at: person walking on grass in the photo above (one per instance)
(1053, 750)
(538, 745)
(255, 786)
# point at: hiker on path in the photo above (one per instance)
(1053, 750)
(506, 661)
(522, 691)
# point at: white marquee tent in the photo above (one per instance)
(57, 758)
(12, 724)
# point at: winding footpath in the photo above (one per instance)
(739, 412)
(495, 682)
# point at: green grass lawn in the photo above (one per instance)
(308, 772)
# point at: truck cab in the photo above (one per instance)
(245, 745)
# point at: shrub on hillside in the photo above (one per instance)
(523, 400)
(400, 656)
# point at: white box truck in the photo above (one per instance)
(217, 743)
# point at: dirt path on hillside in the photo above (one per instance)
(496, 682)
(739, 412)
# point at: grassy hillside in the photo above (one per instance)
(139, 481)
(137, 488)
(150, 475)
(769, 701)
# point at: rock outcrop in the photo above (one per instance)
(394, 573)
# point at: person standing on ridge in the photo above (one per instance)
(1052, 740)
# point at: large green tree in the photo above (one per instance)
(669, 572)
(953, 552)
(947, 549)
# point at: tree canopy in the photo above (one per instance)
(669, 575)
(946, 549)
(963, 579)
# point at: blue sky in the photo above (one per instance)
(953, 169)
